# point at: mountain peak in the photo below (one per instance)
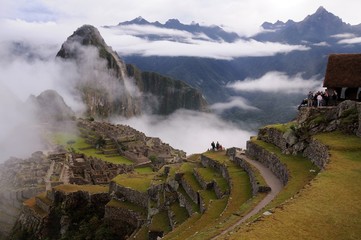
(138, 20)
(321, 10)
(85, 35)
(322, 15)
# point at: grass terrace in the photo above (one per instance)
(127, 205)
(160, 223)
(187, 169)
(238, 203)
(82, 147)
(219, 211)
(68, 188)
(180, 213)
(143, 170)
(328, 208)
(209, 174)
(141, 234)
(283, 127)
(197, 222)
(139, 182)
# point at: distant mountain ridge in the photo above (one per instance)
(214, 33)
(321, 32)
(318, 27)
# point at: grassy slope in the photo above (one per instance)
(80, 145)
(328, 208)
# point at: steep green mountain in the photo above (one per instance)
(107, 89)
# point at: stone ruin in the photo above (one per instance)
(113, 140)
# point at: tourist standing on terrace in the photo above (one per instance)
(319, 99)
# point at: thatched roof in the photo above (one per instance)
(343, 70)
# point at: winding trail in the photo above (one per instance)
(271, 180)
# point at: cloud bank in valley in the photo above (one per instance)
(233, 102)
(190, 45)
(190, 131)
(276, 82)
(347, 38)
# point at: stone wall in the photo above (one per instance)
(131, 195)
(358, 133)
(183, 202)
(256, 187)
(317, 153)
(344, 117)
(268, 159)
(121, 214)
(202, 182)
(208, 162)
(190, 191)
(273, 136)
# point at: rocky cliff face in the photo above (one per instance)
(165, 94)
(107, 89)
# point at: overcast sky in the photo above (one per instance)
(240, 15)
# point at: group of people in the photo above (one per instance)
(320, 98)
(216, 146)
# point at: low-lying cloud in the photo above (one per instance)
(193, 46)
(144, 30)
(190, 131)
(276, 82)
(234, 102)
(347, 38)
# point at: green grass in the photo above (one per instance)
(209, 174)
(328, 208)
(283, 127)
(187, 169)
(238, 203)
(141, 234)
(82, 147)
(127, 205)
(160, 223)
(87, 188)
(139, 182)
(180, 213)
(143, 169)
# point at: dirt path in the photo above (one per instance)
(271, 180)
